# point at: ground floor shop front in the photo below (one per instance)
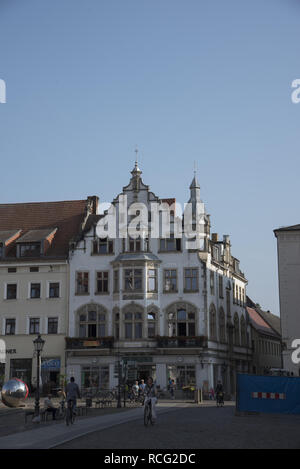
(93, 372)
(21, 362)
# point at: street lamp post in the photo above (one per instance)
(38, 348)
(119, 384)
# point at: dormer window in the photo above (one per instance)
(7, 238)
(30, 249)
(35, 243)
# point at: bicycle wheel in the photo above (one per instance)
(68, 415)
(146, 415)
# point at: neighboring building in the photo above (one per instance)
(288, 248)
(34, 283)
(162, 309)
(266, 339)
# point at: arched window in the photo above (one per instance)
(212, 322)
(236, 322)
(92, 320)
(222, 329)
(133, 322)
(243, 331)
(181, 320)
(152, 318)
(116, 316)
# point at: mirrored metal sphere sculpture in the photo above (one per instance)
(14, 392)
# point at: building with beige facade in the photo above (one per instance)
(34, 284)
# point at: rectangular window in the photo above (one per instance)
(116, 281)
(170, 281)
(191, 280)
(102, 282)
(151, 325)
(10, 327)
(34, 269)
(11, 291)
(35, 290)
(138, 330)
(82, 283)
(134, 245)
(11, 270)
(54, 290)
(133, 280)
(212, 283)
(152, 280)
(221, 293)
(128, 330)
(103, 246)
(52, 325)
(34, 326)
(1, 250)
(170, 244)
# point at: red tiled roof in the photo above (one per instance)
(66, 216)
(258, 322)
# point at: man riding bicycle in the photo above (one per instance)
(72, 393)
(150, 393)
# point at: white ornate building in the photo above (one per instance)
(162, 309)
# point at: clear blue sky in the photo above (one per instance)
(184, 80)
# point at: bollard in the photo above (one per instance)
(198, 396)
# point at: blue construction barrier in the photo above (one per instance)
(268, 394)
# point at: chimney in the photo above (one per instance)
(93, 201)
(214, 237)
(226, 239)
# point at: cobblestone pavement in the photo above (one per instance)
(12, 420)
(196, 427)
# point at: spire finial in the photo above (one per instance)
(136, 156)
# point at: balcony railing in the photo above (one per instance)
(73, 343)
(175, 342)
